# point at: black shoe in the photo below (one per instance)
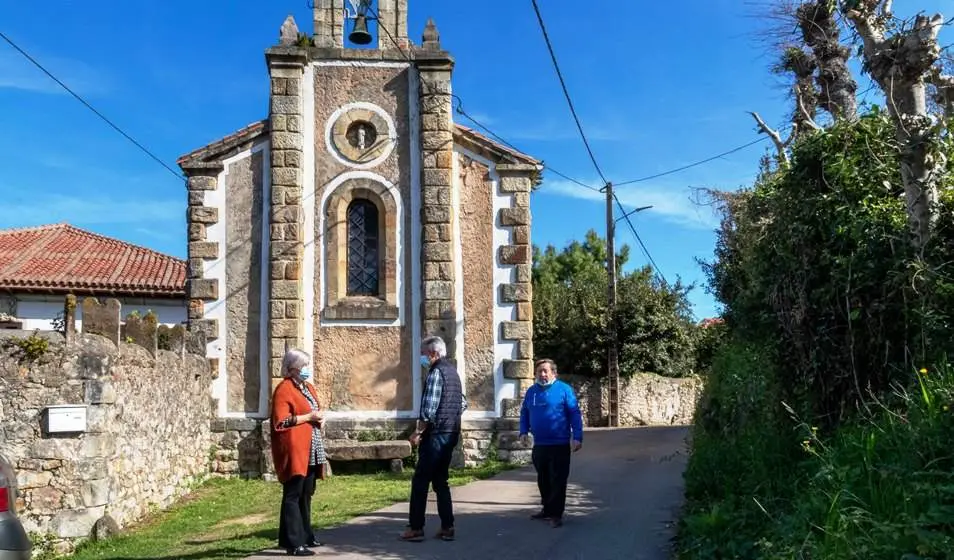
(300, 551)
(556, 522)
(540, 515)
(313, 543)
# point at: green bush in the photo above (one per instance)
(817, 437)
(817, 256)
(742, 461)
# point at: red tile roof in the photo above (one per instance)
(61, 258)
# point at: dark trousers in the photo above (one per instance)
(433, 469)
(553, 469)
(294, 522)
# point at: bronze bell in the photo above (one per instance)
(359, 34)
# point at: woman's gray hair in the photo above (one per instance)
(294, 359)
(434, 344)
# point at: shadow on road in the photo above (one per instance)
(624, 495)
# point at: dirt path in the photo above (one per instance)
(625, 491)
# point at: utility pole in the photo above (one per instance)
(612, 354)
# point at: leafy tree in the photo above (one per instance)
(653, 321)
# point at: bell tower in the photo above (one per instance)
(340, 22)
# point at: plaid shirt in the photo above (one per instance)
(433, 387)
(316, 455)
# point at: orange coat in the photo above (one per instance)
(290, 446)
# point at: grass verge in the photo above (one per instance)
(763, 485)
(230, 518)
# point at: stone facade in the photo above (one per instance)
(476, 224)
(382, 221)
(147, 434)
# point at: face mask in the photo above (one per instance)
(305, 373)
(542, 383)
(425, 362)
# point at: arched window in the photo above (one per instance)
(363, 250)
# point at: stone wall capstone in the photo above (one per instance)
(146, 439)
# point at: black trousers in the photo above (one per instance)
(433, 469)
(294, 521)
(552, 463)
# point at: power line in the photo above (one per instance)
(90, 107)
(460, 110)
(696, 164)
(566, 93)
(640, 240)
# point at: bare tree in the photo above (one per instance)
(818, 22)
(809, 38)
(902, 62)
(941, 87)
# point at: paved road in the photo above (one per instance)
(624, 495)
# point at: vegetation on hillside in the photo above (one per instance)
(825, 426)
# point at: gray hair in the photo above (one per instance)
(294, 359)
(434, 344)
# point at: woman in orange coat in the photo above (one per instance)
(298, 452)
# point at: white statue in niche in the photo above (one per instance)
(362, 137)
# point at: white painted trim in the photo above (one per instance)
(503, 274)
(456, 185)
(398, 233)
(216, 269)
(329, 134)
(308, 202)
(414, 126)
(360, 64)
(370, 414)
(264, 268)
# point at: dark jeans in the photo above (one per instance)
(294, 522)
(553, 469)
(433, 468)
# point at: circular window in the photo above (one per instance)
(361, 135)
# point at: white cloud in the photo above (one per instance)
(16, 72)
(674, 204)
(54, 208)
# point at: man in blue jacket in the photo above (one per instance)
(550, 412)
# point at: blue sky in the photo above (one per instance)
(655, 90)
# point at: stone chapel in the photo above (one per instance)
(353, 221)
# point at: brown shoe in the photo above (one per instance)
(556, 522)
(446, 534)
(411, 535)
(540, 515)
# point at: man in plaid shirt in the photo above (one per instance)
(437, 434)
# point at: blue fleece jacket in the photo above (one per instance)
(549, 413)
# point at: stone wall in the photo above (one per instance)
(146, 437)
(237, 447)
(645, 399)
